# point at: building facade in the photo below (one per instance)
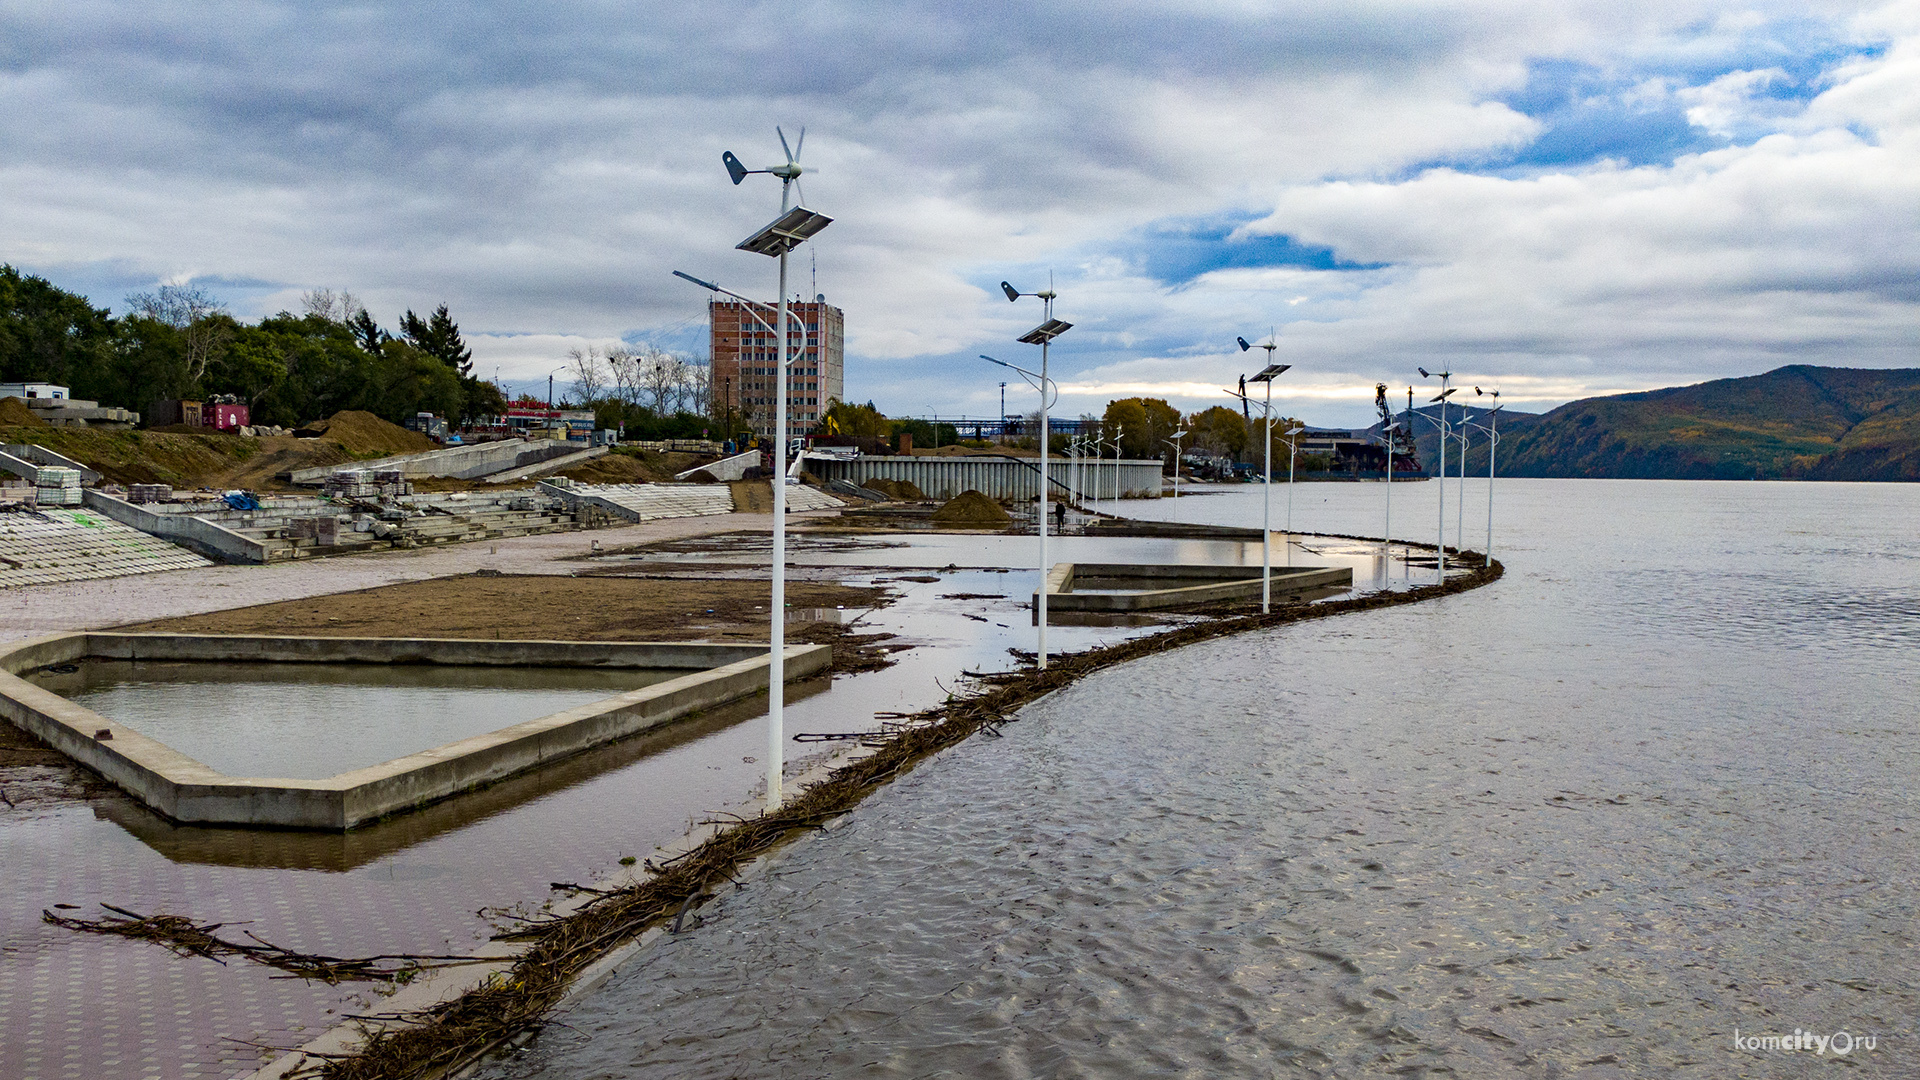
(745, 355)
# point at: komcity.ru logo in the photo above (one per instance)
(1840, 1043)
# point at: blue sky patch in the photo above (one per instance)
(1638, 116)
(1177, 252)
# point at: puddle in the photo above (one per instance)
(312, 721)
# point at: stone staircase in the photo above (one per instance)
(54, 544)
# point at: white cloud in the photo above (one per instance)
(542, 170)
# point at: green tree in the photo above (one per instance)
(854, 421)
(439, 337)
(406, 381)
(1220, 431)
(50, 335)
(367, 333)
(1141, 424)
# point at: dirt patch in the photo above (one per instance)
(365, 433)
(624, 466)
(276, 455)
(970, 509)
(14, 411)
(896, 489)
(532, 606)
(188, 459)
(752, 496)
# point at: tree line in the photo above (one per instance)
(645, 392)
(180, 342)
(1143, 427)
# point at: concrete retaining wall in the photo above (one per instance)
(1185, 584)
(997, 477)
(189, 792)
(193, 533)
(40, 455)
(728, 469)
(460, 462)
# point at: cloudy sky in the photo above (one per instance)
(1562, 199)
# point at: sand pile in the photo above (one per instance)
(972, 509)
(896, 489)
(14, 411)
(365, 433)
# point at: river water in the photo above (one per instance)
(1654, 788)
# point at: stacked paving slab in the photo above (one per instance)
(56, 544)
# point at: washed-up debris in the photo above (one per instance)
(186, 937)
(438, 1040)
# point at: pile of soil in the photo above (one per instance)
(900, 489)
(630, 466)
(365, 433)
(14, 411)
(752, 496)
(970, 509)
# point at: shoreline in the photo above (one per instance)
(567, 953)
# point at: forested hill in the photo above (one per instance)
(1798, 423)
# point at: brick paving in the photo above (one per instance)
(84, 1006)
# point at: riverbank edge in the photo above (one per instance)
(443, 1039)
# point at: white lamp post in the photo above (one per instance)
(795, 225)
(1293, 455)
(1177, 436)
(1446, 391)
(1047, 388)
(1266, 375)
(1492, 429)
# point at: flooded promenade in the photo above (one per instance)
(1652, 789)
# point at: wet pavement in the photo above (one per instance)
(85, 1006)
(1649, 794)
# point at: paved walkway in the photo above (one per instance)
(38, 610)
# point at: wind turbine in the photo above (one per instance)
(795, 225)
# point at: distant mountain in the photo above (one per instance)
(1798, 423)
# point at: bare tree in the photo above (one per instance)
(696, 394)
(662, 377)
(341, 307)
(192, 311)
(589, 371)
(625, 368)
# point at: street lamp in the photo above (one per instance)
(795, 226)
(1266, 375)
(1493, 440)
(1047, 387)
(1177, 436)
(1293, 455)
(1446, 391)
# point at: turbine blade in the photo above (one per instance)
(799, 145)
(783, 144)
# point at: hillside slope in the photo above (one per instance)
(1796, 422)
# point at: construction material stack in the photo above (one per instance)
(149, 493)
(58, 486)
(393, 483)
(350, 484)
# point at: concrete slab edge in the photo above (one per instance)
(189, 792)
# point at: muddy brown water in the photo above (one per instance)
(1650, 793)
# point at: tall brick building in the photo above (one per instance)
(745, 354)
